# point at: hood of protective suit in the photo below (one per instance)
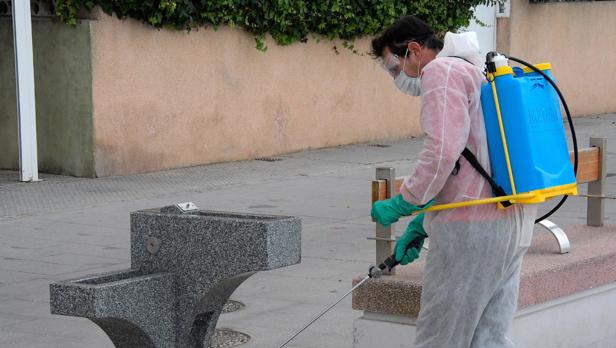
(463, 45)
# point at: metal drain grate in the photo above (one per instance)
(379, 145)
(224, 338)
(269, 159)
(232, 306)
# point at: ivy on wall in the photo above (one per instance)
(287, 21)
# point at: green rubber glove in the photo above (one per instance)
(413, 231)
(388, 211)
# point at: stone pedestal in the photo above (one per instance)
(184, 267)
(566, 300)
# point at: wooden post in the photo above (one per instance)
(385, 236)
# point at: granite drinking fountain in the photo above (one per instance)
(185, 264)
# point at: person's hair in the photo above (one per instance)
(403, 30)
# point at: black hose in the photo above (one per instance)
(569, 119)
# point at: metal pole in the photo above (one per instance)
(24, 78)
(595, 207)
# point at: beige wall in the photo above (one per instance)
(164, 99)
(578, 38)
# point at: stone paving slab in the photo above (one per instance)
(8, 319)
(32, 290)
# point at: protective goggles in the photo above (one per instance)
(391, 64)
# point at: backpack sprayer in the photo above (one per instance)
(529, 159)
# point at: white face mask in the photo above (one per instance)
(407, 84)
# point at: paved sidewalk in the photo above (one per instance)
(67, 227)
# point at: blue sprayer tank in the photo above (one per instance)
(534, 132)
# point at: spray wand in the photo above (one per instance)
(373, 272)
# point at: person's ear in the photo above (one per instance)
(413, 48)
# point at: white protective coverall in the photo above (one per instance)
(472, 272)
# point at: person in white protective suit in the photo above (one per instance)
(472, 272)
